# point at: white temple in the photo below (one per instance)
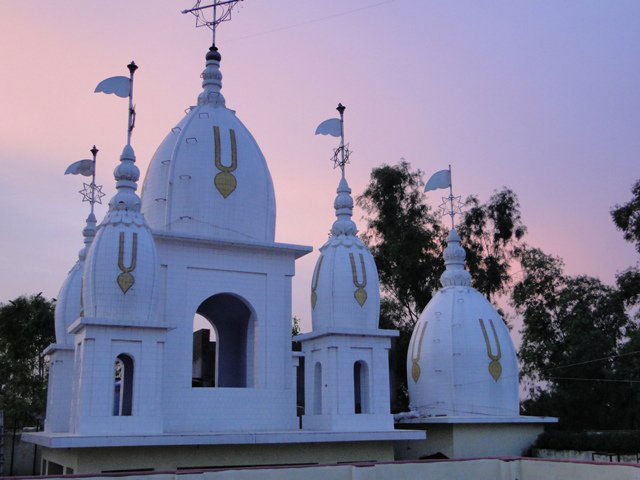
(133, 385)
(462, 374)
(128, 371)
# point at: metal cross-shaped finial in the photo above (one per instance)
(451, 205)
(341, 154)
(221, 12)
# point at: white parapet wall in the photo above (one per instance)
(475, 469)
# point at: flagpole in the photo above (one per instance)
(132, 69)
(341, 108)
(94, 152)
(451, 196)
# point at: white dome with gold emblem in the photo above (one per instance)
(344, 286)
(208, 177)
(121, 270)
(461, 360)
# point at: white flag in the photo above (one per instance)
(441, 179)
(81, 167)
(121, 86)
(330, 127)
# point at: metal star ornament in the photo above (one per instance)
(340, 156)
(451, 206)
(92, 193)
(220, 11)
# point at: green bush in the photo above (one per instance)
(614, 441)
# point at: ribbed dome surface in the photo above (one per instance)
(68, 304)
(461, 360)
(208, 177)
(344, 285)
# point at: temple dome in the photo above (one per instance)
(208, 177)
(461, 360)
(69, 300)
(121, 270)
(344, 285)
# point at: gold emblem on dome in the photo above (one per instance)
(495, 369)
(360, 294)
(415, 359)
(125, 280)
(314, 283)
(225, 182)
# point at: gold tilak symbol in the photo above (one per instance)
(224, 181)
(314, 283)
(360, 294)
(125, 279)
(495, 369)
(415, 360)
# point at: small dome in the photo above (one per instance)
(208, 177)
(461, 360)
(344, 285)
(69, 302)
(121, 269)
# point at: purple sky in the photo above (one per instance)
(540, 96)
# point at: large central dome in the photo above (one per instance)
(208, 177)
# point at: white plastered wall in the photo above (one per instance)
(191, 273)
(337, 354)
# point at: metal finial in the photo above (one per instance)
(221, 12)
(451, 205)
(342, 153)
(91, 192)
(131, 121)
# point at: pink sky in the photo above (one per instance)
(543, 97)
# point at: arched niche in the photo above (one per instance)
(317, 389)
(123, 385)
(223, 355)
(361, 390)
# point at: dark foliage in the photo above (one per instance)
(619, 442)
(26, 329)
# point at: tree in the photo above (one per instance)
(627, 219)
(295, 326)
(572, 328)
(26, 329)
(406, 238)
(490, 234)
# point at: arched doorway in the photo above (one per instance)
(223, 349)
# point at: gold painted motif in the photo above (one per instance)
(495, 369)
(125, 279)
(314, 283)
(415, 359)
(225, 181)
(360, 294)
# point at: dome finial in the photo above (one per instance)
(454, 254)
(88, 232)
(212, 80)
(343, 205)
